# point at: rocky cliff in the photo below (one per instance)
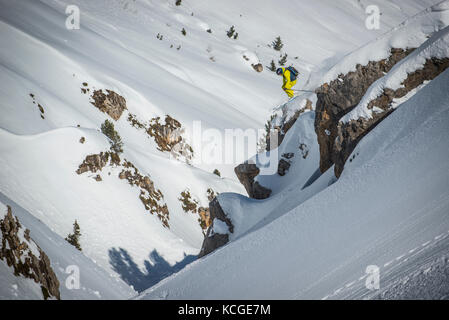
(215, 240)
(26, 258)
(341, 95)
(351, 132)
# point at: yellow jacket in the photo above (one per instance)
(287, 83)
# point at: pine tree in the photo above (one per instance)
(272, 66)
(74, 238)
(231, 32)
(183, 31)
(236, 36)
(283, 60)
(217, 172)
(178, 2)
(277, 44)
(107, 128)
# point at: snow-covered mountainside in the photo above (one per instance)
(390, 204)
(109, 125)
(314, 236)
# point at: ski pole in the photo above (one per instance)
(302, 90)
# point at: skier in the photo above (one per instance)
(290, 75)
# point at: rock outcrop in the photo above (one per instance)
(246, 172)
(152, 198)
(279, 132)
(257, 67)
(191, 205)
(168, 135)
(285, 163)
(341, 95)
(214, 240)
(96, 162)
(27, 259)
(350, 133)
(110, 103)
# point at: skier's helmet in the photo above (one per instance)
(279, 71)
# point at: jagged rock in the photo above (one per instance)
(82, 140)
(246, 173)
(111, 103)
(215, 240)
(258, 67)
(210, 194)
(285, 163)
(341, 95)
(283, 167)
(96, 162)
(168, 135)
(280, 132)
(304, 150)
(189, 204)
(18, 254)
(349, 134)
(204, 219)
(152, 198)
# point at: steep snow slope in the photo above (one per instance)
(207, 79)
(391, 200)
(288, 191)
(95, 283)
(110, 214)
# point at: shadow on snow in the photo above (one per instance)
(156, 268)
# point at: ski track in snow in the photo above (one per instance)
(391, 264)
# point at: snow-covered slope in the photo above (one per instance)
(136, 49)
(390, 202)
(94, 282)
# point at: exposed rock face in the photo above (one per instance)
(96, 162)
(285, 163)
(168, 135)
(18, 250)
(204, 219)
(189, 204)
(152, 198)
(280, 132)
(215, 240)
(349, 134)
(111, 103)
(258, 67)
(341, 95)
(246, 173)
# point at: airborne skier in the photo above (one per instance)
(290, 76)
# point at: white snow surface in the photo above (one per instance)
(391, 199)
(95, 282)
(411, 33)
(206, 80)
